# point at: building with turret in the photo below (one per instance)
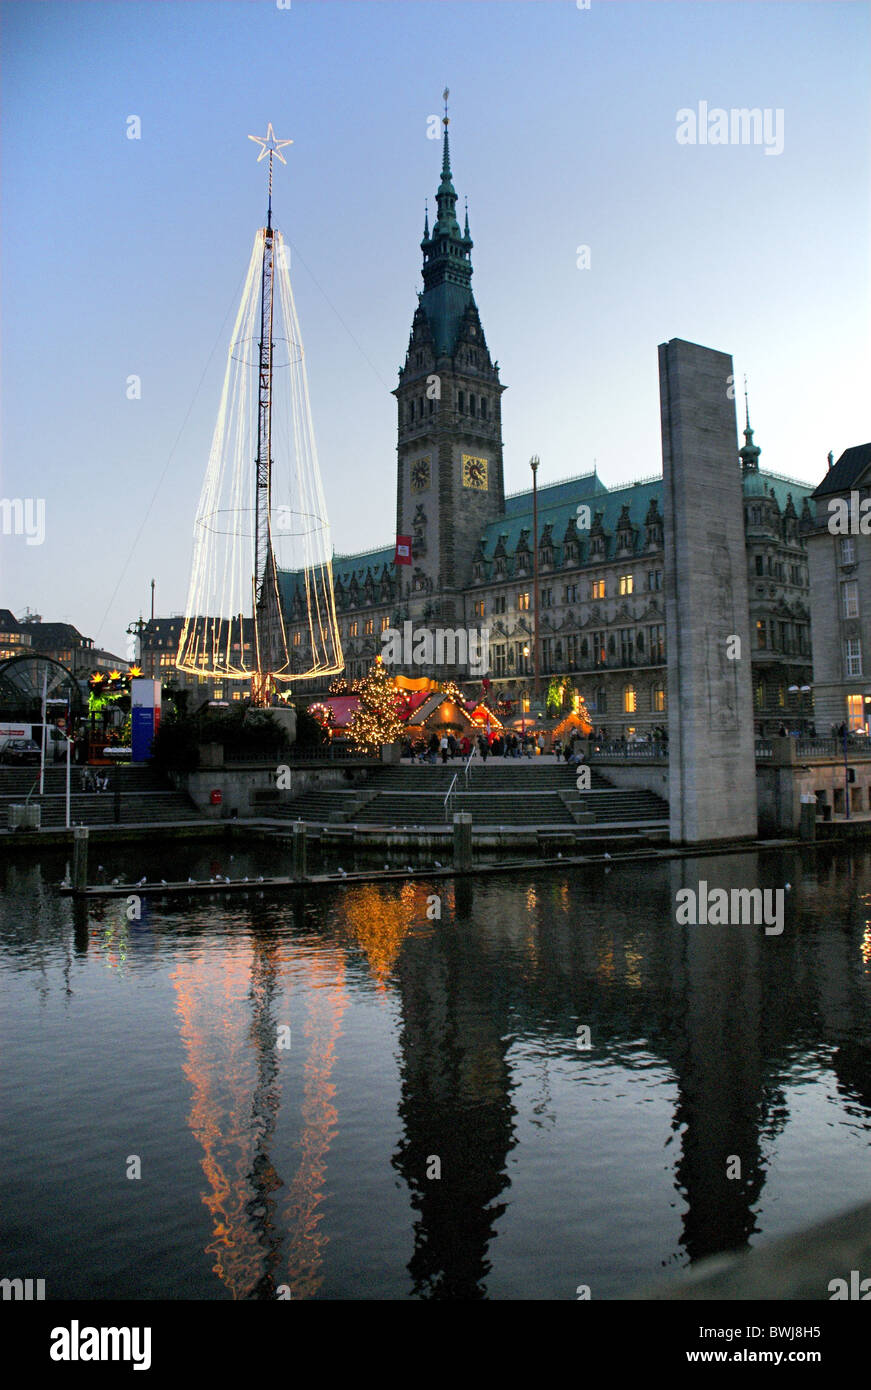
(601, 607)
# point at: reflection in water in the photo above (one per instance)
(327, 1001)
(735, 1045)
(222, 1067)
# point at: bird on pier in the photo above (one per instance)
(141, 881)
(163, 881)
(190, 880)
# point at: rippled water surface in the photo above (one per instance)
(422, 1046)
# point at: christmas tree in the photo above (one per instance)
(375, 720)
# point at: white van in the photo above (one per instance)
(55, 744)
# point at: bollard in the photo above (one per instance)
(299, 850)
(80, 857)
(462, 840)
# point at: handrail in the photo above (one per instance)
(468, 766)
(449, 794)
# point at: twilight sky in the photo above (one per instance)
(124, 257)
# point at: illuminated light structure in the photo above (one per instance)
(243, 535)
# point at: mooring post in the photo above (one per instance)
(299, 849)
(462, 840)
(80, 857)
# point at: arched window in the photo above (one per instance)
(630, 699)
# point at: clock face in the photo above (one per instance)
(474, 472)
(420, 475)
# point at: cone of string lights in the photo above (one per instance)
(262, 553)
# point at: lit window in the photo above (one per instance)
(850, 590)
(761, 633)
(370, 626)
(352, 628)
(297, 638)
(385, 623)
(597, 588)
(523, 601)
(630, 699)
(659, 698)
(478, 608)
(626, 584)
(855, 712)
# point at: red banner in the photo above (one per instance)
(403, 551)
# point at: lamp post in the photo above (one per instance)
(800, 691)
(522, 700)
(533, 463)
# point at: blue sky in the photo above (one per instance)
(125, 257)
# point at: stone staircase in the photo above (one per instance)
(501, 792)
(146, 797)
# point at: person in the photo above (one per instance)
(782, 731)
(557, 748)
(527, 745)
(567, 753)
(540, 742)
(433, 748)
(445, 748)
(452, 746)
(483, 747)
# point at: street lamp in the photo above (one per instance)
(523, 698)
(533, 463)
(801, 691)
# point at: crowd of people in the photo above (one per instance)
(446, 747)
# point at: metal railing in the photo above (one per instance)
(629, 752)
(327, 752)
(448, 802)
(467, 769)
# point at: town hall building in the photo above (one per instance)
(600, 550)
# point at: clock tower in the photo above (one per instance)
(449, 465)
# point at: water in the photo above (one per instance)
(420, 1046)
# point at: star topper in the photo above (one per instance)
(270, 145)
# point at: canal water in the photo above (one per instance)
(346, 1095)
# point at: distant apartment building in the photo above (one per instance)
(30, 636)
(839, 557)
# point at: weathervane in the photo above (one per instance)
(270, 146)
(445, 94)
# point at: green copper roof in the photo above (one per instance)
(447, 266)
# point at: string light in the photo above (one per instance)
(214, 632)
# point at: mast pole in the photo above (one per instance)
(265, 582)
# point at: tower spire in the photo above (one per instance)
(749, 455)
(447, 258)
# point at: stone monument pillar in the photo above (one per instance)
(712, 765)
